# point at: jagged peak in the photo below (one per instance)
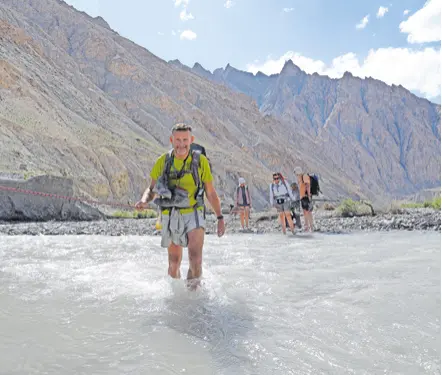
(102, 22)
(290, 68)
(261, 74)
(178, 64)
(199, 68)
(175, 62)
(348, 74)
(97, 20)
(218, 71)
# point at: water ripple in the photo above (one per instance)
(354, 304)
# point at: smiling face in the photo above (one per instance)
(181, 141)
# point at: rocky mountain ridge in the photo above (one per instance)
(383, 137)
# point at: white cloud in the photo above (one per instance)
(424, 25)
(381, 12)
(173, 32)
(406, 11)
(363, 23)
(417, 70)
(287, 10)
(160, 33)
(229, 3)
(184, 3)
(188, 35)
(184, 16)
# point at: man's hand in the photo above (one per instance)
(147, 197)
(221, 228)
(141, 205)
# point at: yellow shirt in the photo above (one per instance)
(186, 182)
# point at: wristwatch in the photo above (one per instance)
(220, 217)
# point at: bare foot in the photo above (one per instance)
(193, 284)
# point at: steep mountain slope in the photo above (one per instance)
(79, 100)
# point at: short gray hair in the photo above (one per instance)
(181, 127)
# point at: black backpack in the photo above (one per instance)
(202, 151)
(197, 147)
(314, 184)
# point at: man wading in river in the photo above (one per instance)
(179, 180)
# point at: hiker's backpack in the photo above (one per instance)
(202, 151)
(197, 147)
(314, 184)
(196, 150)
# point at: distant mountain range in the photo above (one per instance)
(386, 139)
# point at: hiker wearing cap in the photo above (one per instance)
(243, 202)
(179, 180)
(306, 197)
(280, 198)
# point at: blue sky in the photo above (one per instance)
(395, 41)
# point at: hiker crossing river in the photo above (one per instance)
(180, 179)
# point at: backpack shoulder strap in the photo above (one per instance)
(168, 162)
(283, 181)
(194, 167)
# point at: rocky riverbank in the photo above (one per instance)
(261, 223)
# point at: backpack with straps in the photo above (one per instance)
(314, 184)
(196, 151)
(283, 182)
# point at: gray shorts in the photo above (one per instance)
(283, 207)
(175, 227)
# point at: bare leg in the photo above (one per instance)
(247, 211)
(175, 257)
(195, 247)
(306, 221)
(282, 220)
(310, 220)
(290, 221)
(241, 216)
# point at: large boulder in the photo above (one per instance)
(43, 198)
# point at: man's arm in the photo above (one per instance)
(213, 198)
(148, 194)
(147, 197)
(271, 196)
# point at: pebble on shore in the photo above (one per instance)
(425, 219)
